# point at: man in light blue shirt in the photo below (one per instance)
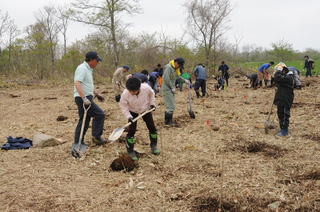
(84, 92)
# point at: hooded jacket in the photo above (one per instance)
(284, 94)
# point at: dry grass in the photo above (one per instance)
(236, 168)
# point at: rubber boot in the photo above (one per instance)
(203, 94)
(153, 143)
(198, 94)
(118, 98)
(130, 147)
(283, 132)
(168, 119)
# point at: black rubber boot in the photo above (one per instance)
(198, 94)
(168, 119)
(153, 143)
(130, 147)
(118, 98)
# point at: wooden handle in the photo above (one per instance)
(142, 114)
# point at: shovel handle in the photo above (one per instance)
(142, 114)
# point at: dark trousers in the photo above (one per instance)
(309, 72)
(148, 119)
(200, 83)
(283, 116)
(97, 123)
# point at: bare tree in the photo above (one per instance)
(4, 25)
(64, 23)
(207, 22)
(50, 22)
(104, 15)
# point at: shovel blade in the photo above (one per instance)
(116, 134)
(191, 113)
(77, 151)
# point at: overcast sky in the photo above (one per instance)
(259, 22)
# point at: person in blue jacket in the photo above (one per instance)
(263, 73)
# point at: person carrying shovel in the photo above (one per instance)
(137, 98)
(284, 96)
(84, 92)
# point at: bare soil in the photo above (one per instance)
(220, 161)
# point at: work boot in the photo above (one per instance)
(130, 147)
(168, 119)
(153, 143)
(98, 141)
(198, 94)
(203, 94)
(283, 132)
(118, 97)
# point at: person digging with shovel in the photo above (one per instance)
(284, 80)
(135, 99)
(84, 93)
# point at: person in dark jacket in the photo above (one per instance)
(152, 81)
(253, 80)
(224, 68)
(220, 84)
(308, 65)
(284, 97)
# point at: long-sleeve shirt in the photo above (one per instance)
(137, 103)
(117, 77)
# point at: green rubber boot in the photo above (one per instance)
(153, 143)
(130, 147)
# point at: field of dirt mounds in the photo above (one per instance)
(220, 161)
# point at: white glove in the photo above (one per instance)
(86, 101)
(187, 81)
(173, 90)
(219, 89)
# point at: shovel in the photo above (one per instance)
(118, 132)
(191, 113)
(79, 148)
(266, 123)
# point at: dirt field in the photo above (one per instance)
(236, 168)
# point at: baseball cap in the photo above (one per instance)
(126, 67)
(180, 62)
(93, 56)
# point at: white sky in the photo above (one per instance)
(259, 22)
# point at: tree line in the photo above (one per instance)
(40, 50)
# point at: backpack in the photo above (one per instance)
(313, 64)
(17, 143)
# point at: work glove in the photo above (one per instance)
(152, 106)
(130, 120)
(187, 81)
(86, 101)
(173, 90)
(100, 98)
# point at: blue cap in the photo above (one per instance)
(93, 56)
(126, 67)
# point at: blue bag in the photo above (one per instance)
(17, 143)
